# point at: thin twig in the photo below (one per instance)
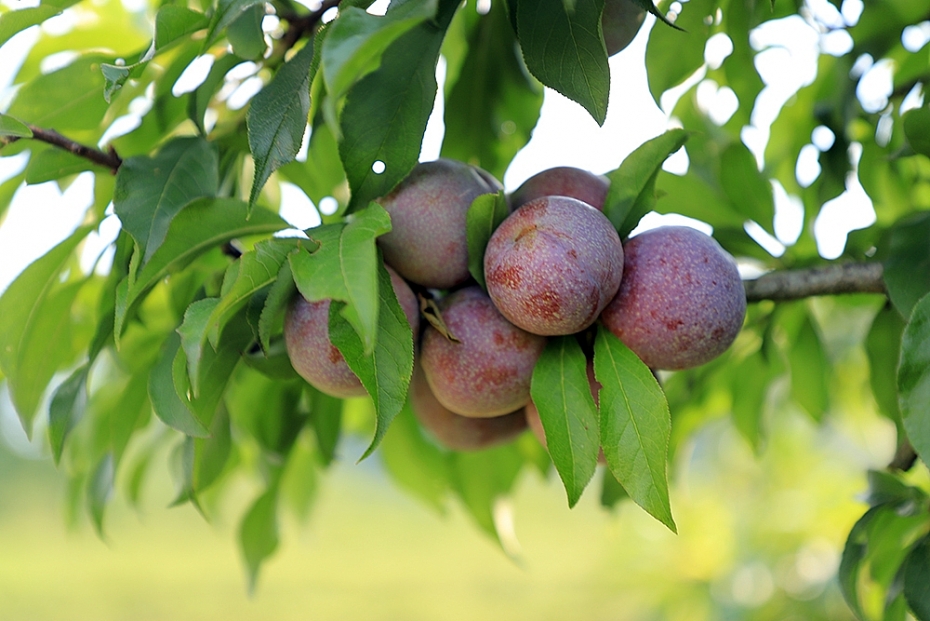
(785, 285)
(109, 158)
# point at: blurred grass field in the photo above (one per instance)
(758, 539)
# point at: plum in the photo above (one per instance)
(553, 265)
(488, 373)
(563, 181)
(427, 243)
(620, 21)
(456, 432)
(681, 302)
(312, 354)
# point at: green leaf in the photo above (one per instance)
(10, 126)
(252, 272)
(128, 412)
(749, 390)
(276, 302)
(482, 479)
(907, 268)
(386, 371)
(917, 130)
(100, 490)
(150, 191)
(885, 487)
(208, 457)
(672, 55)
(561, 393)
(13, 22)
(66, 409)
(8, 190)
(173, 22)
(415, 463)
(226, 13)
(612, 492)
(21, 308)
(564, 49)
(883, 347)
(632, 192)
(277, 118)
(344, 267)
(258, 533)
(917, 579)
(266, 409)
(854, 553)
(199, 99)
(356, 40)
(635, 425)
(493, 105)
(749, 190)
(70, 98)
(810, 386)
(52, 164)
(166, 402)
(914, 379)
(326, 420)
(484, 216)
(386, 112)
(202, 225)
(321, 175)
(245, 34)
(193, 333)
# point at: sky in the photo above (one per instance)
(41, 216)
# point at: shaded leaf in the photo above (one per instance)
(883, 347)
(227, 11)
(167, 404)
(150, 191)
(172, 22)
(749, 190)
(202, 225)
(415, 463)
(386, 371)
(326, 420)
(672, 55)
(565, 50)
(258, 533)
(907, 267)
(344, 267)
(561, 394)
(632, 191)
(99, 491)
(484, 215)
(277, 118)
(917, 129)
(386, 112)
(612, 493)
(917, 579)
(635, 425)
(266, 409)
(914, 379)
(280, 294)
(199, 99)
(245, 34)
(493, 105)
(750, 389)
(809, 370)
(854, 554)
(66, 409)
(193, 333)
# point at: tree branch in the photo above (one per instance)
(109, 159)
(299, 25)
(782, 286)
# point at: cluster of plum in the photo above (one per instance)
(554, 266)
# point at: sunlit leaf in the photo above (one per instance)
(70, 98)
(13, 22)
(561, 394)
(10, 126)
(632, 191)
(386, 371)
(277, 118)
(344, 267)
(635, 425)
(151, 191)
(52, 164)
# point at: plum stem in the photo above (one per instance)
(785, 285)
(108, 159)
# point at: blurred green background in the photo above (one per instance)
(760, 538)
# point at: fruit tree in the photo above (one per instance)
(452, 313)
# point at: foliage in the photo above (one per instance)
(187, 323)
